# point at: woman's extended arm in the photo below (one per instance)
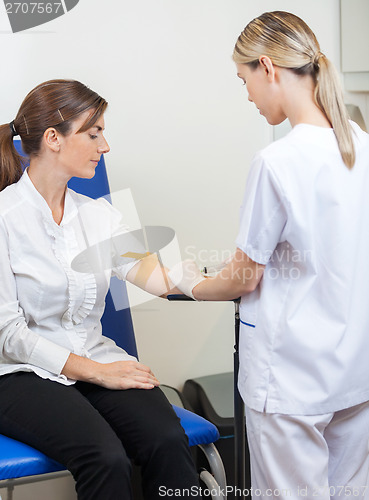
(150, 275)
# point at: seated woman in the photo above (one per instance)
(65, 389)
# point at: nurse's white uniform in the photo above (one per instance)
(304, 343)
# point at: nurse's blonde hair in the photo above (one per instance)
(289, 42)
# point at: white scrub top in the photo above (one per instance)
(48, 309)
(304, 341)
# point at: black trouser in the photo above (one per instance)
(95, 432)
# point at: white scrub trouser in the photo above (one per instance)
(315, 457)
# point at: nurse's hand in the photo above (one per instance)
(185, 276)
(118, 375)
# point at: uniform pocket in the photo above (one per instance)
(247, 331)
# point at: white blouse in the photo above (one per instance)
(304, 342)
(48, 309)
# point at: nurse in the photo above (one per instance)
(301, 268)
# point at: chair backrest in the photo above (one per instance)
(117, 324)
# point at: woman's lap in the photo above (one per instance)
(138, 417)
(84, 423)
(54, 418)
(44, 413)
(151, 434)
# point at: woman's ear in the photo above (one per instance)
(51, 139)
(268, 67)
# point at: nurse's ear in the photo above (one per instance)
(51, 139)
(268, 67)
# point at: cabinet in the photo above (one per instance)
(355, 44)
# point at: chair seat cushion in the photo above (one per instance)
(198, 430)
(19, 460)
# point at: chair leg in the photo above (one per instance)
(9, 492)
(10, 484)
(214, 488)
(216, 467)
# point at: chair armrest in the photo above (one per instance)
(179, 296)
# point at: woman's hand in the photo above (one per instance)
(125, 375)
(118, 375)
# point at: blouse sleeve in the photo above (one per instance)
(17, 342)
(263, 215)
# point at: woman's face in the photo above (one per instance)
(263, 90)
(80, 153)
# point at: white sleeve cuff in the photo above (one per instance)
(49, 356)
(253, 253)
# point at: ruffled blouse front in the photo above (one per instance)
(81, 286)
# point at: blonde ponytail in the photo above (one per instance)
(290, 43)
(329, 97)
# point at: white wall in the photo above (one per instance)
(181, 131)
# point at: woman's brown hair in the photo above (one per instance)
(290, 43)
(55, 103)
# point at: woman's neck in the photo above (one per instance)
(311, 115)
(299, 101)
(51, 187)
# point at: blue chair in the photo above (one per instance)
(22, 464)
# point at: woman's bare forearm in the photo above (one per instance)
(150, 275)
